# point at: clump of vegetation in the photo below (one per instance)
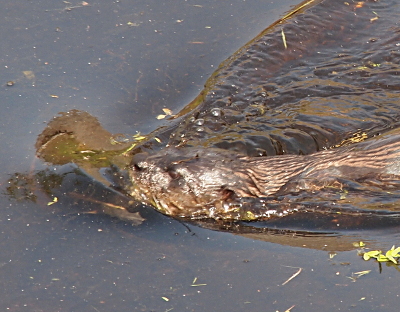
(391, 255)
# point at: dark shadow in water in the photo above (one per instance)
(316, 229)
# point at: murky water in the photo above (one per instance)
(123, 62)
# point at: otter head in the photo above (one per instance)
(187, 182)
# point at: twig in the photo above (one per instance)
(292, 277)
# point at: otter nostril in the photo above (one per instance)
(137, 167)
(139, 161)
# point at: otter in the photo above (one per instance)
(206, 183)
(269, 123)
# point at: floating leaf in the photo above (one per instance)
(389, 256)
(371, 254)
(55, 200)
(29, 74)
(382, 258)
(393, 253)
(167, 111)
(361, 273)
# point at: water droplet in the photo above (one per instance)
(216, 112)
(199, 122)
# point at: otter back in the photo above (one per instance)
(323, 76)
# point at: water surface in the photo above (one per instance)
(123, 62)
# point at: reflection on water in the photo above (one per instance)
(323, 231)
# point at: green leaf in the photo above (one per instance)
(395, 252)
(391, 254)
(372, 254)
(382, 258)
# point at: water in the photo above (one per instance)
(123, 62)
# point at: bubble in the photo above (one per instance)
(216, 112)
(199, 122)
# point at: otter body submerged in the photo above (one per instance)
(198, 182)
